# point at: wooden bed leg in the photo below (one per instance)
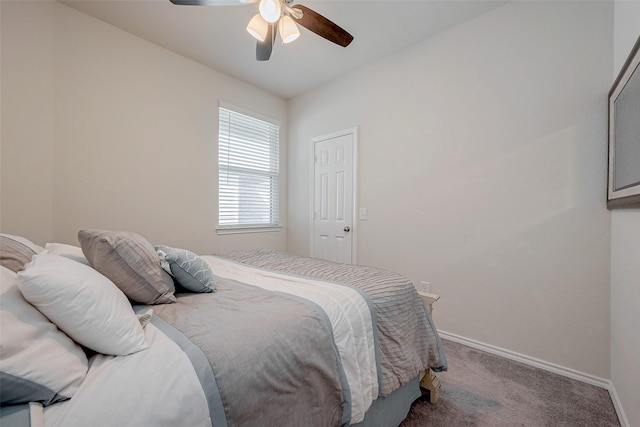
(429, 382)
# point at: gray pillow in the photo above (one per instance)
(16, 251)
(190, 271)
(130, 262)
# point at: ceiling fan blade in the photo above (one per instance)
(212, 2)
(264, 49)
(323, 27)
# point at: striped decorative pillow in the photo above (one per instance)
(16, 251)
(130, 262)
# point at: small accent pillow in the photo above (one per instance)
(38, 363)
(190, 271)
(16, 251)
(67, 251)
(83, 303)
(130, 262)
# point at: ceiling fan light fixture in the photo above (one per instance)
(288, 29)
(258, 27)
(271, 10)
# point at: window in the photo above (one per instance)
(249, 172)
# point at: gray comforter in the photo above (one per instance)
(409, 342)
(267, 351)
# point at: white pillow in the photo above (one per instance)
(68, 251)
(83, 303)
(38, 363)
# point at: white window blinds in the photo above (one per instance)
(249, 171)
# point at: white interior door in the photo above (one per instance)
(333, 197)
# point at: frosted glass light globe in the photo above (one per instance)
(288, 29)
(271, 10)
(258, 27)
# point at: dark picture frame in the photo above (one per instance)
(623, 189)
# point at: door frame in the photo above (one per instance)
(354, 169)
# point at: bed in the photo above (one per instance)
(118, 332)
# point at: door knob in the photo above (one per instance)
(347, 229)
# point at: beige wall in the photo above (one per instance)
(26, 167)
(625, 254)
(482, 166)
(131, 127)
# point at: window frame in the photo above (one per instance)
(249, 228)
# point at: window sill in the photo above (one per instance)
(249, 229)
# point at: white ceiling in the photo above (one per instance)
(216, 36)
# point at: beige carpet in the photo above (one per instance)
(481, 389)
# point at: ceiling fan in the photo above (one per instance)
(281, 13)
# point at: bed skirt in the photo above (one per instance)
(391, 410)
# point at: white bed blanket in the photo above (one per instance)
(116, 388)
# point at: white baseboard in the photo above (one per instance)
(547, 366)
(622, 417)
(527, 360)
